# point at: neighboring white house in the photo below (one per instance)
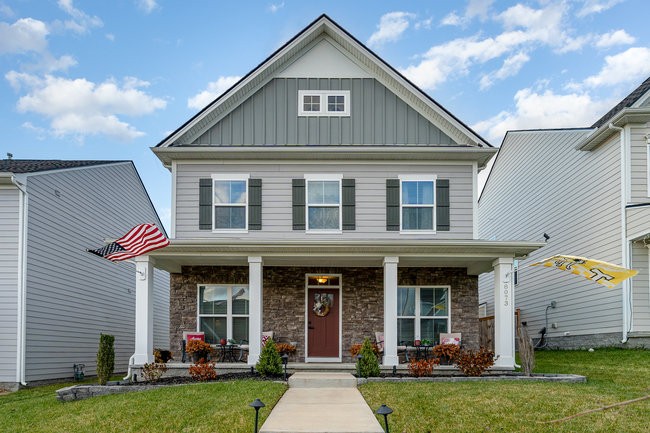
(588, 190)
(326, 198)
(56, 298)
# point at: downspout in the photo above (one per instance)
(624, 247)
(22, 283)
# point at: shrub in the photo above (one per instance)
(154, 371)
(422, 367)
(105, 358)
(472, 363)
(356, 348)
(161, 356)
(203, 371)
(446, 351)
(367, 365)
(270, 363)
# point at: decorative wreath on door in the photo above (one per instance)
(322, 304)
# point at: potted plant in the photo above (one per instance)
(287, 348)
(355, 349)
(426, 342)
(199, 349)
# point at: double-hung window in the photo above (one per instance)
(230, 202)
(223, 312)
(323, 205)
(422, 313)
(417, 203)
(323, 102)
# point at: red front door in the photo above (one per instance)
(323, 323)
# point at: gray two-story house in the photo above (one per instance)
(326, 198)
(56, 298)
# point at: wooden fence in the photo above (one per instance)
(486, 330)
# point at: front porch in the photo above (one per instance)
(429, 287)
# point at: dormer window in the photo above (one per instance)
(323, 102)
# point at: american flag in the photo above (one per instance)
(141, 239)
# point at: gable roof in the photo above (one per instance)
(20, 166)
(627, 102)
(382, 71)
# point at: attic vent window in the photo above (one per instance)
(323, 102)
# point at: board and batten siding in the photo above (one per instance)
(270, 117)
(640, 288)
(639, 164)
(73, 296)
(9, 229)
(541, 184)
(276, 198)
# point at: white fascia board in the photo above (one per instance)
(602, 134)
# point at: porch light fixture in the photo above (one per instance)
(385, 411)
(257, 404)
(322, 279)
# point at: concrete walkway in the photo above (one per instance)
(322, 403)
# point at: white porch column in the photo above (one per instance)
(255, 309)
(504, 314)
(143, 310)
(390, 311)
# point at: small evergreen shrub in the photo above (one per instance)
(367, 365)
(472, 363)
(105, 358)
(203, 371)
(153, 372)
(270, 363)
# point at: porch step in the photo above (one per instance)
(304, 379)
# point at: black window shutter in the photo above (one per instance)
(298, 201)
(392, 204)
(442, 205)
(349, 199)
(205, 204)
(254, 204)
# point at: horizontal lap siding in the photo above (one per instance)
(640, 289)
(9, 226)
(270, 117)
(73, 296)
(370, 198)
(638, 221)
(542, 185)
(638, 164)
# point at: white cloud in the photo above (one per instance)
(544, 108)
(628, 66)
(474, 9)
(596, 6)
(213, 90)
(511, 66)
(110, 37)
(6, 11)
(618, 37)
(80, 107)
(26, 34)
(274, 7)
(80, 22)
(147, 6)
(390, 28)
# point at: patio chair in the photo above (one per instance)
(379, 341)
(451, 338)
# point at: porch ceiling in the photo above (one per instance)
(475, 255)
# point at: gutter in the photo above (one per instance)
(22, 283)
(624, 244)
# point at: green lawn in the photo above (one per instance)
(213, 407)
(613, 376)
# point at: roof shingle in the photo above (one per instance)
(628, 101)
(36, 165)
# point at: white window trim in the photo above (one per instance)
(229, 315)
(418, 177)
(324, 177)
(243, 177)
(417, 317)
(323, 94)
(647, 168)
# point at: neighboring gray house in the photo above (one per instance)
(589, 190)
(55, 298)
(326, 198)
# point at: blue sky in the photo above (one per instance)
(84, 79)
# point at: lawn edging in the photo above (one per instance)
(81, 392)
(541, 377)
